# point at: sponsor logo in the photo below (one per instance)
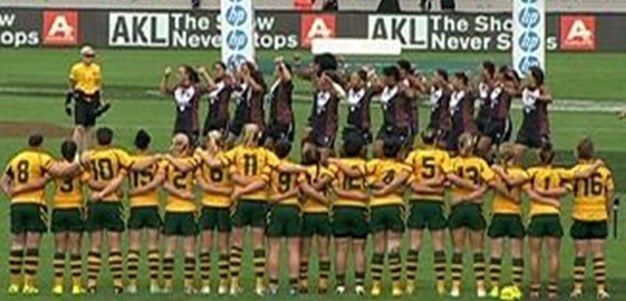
(314, 26)
(578, 33)
(139, 29)
(528, 35)
(60, 28)
(237, 32)
(14, 33)
(411, 31)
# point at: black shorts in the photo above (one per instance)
(366, 134)
(499, 130)
(214, 125)
(531, 138)
(279, 131)
(85, 108)
(321, 139)
(390, 131)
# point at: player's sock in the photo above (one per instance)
(359, 278)
(518, 271)
(553, 288)
(222, 265)
(115, 265)
(599, 268)
(412, 259)
(16, 257)
(235, 264)
(324, 273)
(94, 263)
(189, 271)
(395, 267)
(273, 283)
(479, 269)
(534, 288)
(132, 266)
(205, 268)
(495, 268)
(168, 271)
(76, 266)
(340, 279)
(579, 273)
(58, 265)
(378, 261)
(153, 265)
(303, 273)
(440, 266)
(457, 269)
(259, 263)
(293, 283)
(31, 264)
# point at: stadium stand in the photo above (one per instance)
(350, 5)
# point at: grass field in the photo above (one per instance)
(32, 83)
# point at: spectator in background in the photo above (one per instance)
(446, 5)
(389, 6)
(330, 5)
(303, 4)
(195, 4)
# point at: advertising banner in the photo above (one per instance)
(529, 31)
(20, 28)
(237, 32)
(60, 28)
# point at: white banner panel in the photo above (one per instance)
(529, 35)
(411, 31)
(237, 32)
(356, 46)
(130, 29)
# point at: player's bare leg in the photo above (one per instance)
(599, 268)
(294, 263)
(206, 246)
(79, 137)
(223, 240)
(258, 247)
(341, 257)
(189, 244)
(534, 245)
(477, 242)
(554, 251)
(358, 248)
(273, 264)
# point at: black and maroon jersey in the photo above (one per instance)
(462, 111)
(394, 104)
(440, 108)
(500, 102)
(219, 99)
(256, 100)
(412, 107)
(187, 100)
(281, 110)
(535, 112)
(359, 108)
(484, 107)
(324, 113)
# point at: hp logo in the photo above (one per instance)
(236, 16)
(529, 17)
(236, 40)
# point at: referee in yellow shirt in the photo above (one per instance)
(85, 84)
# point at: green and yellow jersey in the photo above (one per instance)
(27, 167)
(281, 182)
(106, 164)
(218, 177)
(312, 175)
(502, 204)
(68, 191)
(138, 179)
(183, 181)
(591, 193)
(543, 178)
(252, 163)
(87, 78)
(473, 169)
(385, 172)
(350, 184)
(427, 164)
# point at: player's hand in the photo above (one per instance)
(68, 111)
(202, 70)
(96, 196)
(167, 71)
(279, 60)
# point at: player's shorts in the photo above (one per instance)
(144, 217)
(284, 221)
(85, 108)
(67, 220)
(467, 215)
(387, 218)
(531, 138)
(103, 215)
(365, 134)
(28, 217)
(215, 218)
(589, 230)
(185, 124)
(402, 134)
(180, 224)
(251, 213)
(277, 131)
(427, 214)
(211, 124)
(316, 224)
(482, 120)
(321, 139)
(499, 130)
(350, 222)
(506, 226)
(545, 225)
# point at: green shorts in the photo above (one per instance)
(387, 218)
(316, 224)
(581, 230)
(104, 216)
(180, 224)
(545, 225)
(284, 221)
(350, 222)
(250, 213)
(467, 215)
(506, 225)
(427, 214)
(146, 217)
(28, 217)
(67, 220)
(215, 218)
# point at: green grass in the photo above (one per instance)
(128, 74)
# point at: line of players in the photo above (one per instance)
(348, 198)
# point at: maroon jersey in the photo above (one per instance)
(187, 100)
(394, 104)
(359, 108)
(256, 103)
(462, 110)
(281, 110)
(323, 118)
(535, 112)
(440, 108)
(500, 102)
(219, 98)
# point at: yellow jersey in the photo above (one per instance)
(107, 163)
(544, 178)
(251, 162)
(138, 179)
(68, 192)
(427, 164)
(315, 173)
(502, 204)
(218, 177)
(182, 181)
(385, 171)
(87, 78)
(473, 169)
(590, 194)
(27, 167)
(355, 184)
(281, 182)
